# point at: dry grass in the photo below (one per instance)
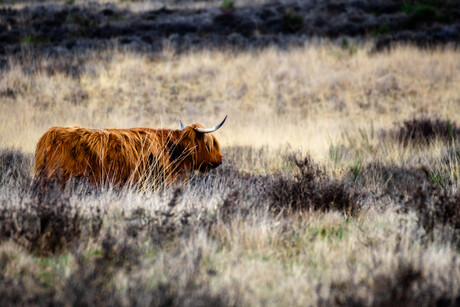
(371, 219)
(305, 97)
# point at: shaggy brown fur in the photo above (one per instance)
(124, 156)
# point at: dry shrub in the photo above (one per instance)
(241, 191)
(90, 282)
(311, 189)
(230, 206)
(23, 291)
(164, 225)
(87, 285)
(400, 287)
(391, 178)
(301, 185)
(435, 206)
(183, 288)
(45, 225)
(118, 250)
(13, 167)
(423, 131)
(414, 188)
(395, 290)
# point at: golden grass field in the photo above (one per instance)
(306, 97)
(338, 105)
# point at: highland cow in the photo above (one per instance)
(126, 156)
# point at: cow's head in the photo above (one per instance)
(198, 148)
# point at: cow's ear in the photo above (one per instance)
(209, 142)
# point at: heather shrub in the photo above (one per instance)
(406, 285)
(423, 131)
(435, 206)
(310, 189)
(414, 188)
(15, 167)
(46, 224)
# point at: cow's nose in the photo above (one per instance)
(216, 164)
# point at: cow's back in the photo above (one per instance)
(106, 156)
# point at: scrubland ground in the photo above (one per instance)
(339, 185)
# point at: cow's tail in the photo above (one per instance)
(43, 151)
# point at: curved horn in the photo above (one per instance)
(208, 130)
(181, 125)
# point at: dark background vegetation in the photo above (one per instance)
(59, 28)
